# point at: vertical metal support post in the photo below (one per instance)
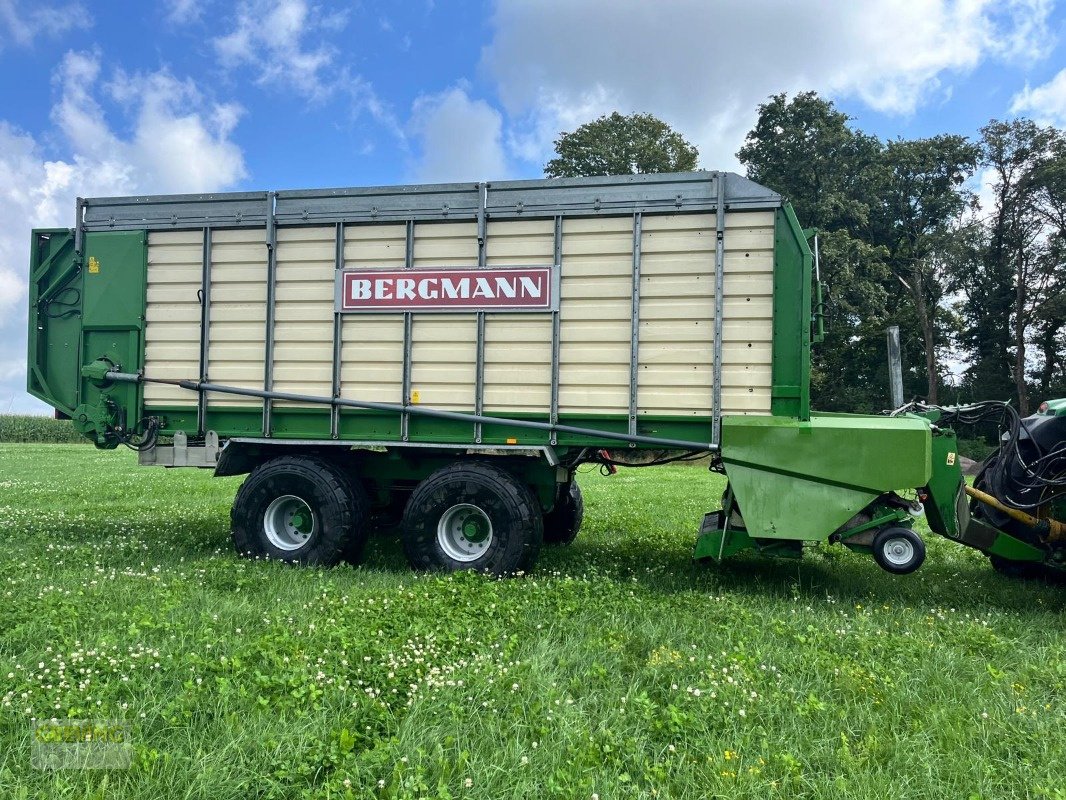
(634, 335)
(408, 337)
(719, 289)
(338, 330)
(556, 326)
(268, 341)
(205, 330)
(79, 227)
(479, 367)
(895, 366)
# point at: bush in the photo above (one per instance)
(38, 430)
(977, 449)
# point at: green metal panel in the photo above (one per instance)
(791, 368)
(53, 358)
(797, 479)
(87, 308)
(1006, 546)
(371, 425)
(944, 485)
(113, 307)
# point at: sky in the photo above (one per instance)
(163, 96)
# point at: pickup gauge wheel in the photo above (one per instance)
(472, 515)
(898, 550)
(301, 510)
(563, 522)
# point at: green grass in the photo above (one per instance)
(38, 429)
(619, 669)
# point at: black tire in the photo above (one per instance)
(1024, 570)
(337, 506)
(355, 544)
(482, 492)
(563, 522)
(898, 550)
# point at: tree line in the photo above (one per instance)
(977, 288)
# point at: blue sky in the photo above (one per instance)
(194, 95)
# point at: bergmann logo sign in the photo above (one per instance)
(448, 289)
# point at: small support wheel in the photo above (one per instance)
(898, 550)
(562, 523)
(301, 510)
(472, 515)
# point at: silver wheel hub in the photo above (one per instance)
(464, 532)
(898, 551)
(289, 522)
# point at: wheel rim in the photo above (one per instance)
(289, 522)
(898, 551)
(464, 532)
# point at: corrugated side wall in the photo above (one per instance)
(676, 329)
(172, 319)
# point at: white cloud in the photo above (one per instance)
(22, 23)
(270, 36)
(183, 12)
(1045, 103)
(177, 142)
(461, 138)
(704, 67)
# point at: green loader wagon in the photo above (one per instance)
(445, 357)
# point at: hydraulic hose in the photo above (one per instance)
(1054, 529)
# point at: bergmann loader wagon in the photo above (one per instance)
(449, 355)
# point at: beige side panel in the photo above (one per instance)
(676, 361)
(172, 327)
(747, 319)
(518, 346)
(303, 311)
(594, 337)
(372, 344)
(237, 332)
(443, 346)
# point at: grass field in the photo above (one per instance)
(619, 669)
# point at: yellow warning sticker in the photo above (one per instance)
(415, 397)
(94, 266)
(951, 459)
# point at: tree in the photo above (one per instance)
(621, 145)
(806, 150)
(1050, 312)
(920, 206)
(1004, 294)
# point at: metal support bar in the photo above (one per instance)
(556, 325)
(719, 288)
(458, 416)
(393, 408)
(408, 335)
(268, 340)
(338, 330)
(634, 336)
(479, 365)
(205, 329)
(79, 226)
